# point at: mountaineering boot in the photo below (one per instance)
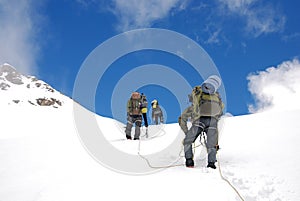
(128, 137)
(211, 165)
(189, 163)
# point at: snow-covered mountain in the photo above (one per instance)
(43, 159)
(16, 88)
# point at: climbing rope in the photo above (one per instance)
(160, 167)
(203, 139)
(177, 160)
(227, 181)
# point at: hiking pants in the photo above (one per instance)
(134, 119)
(160, 117)
(209, 126)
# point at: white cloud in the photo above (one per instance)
(134, 14)
(276, 88)
(259, 18)
(18, 44)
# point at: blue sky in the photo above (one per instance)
(51, 39)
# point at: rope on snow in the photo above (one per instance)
(180, 156)
(227, 181)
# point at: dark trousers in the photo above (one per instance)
(134, 119)
(209, 126)
(145, 119)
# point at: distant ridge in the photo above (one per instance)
(16, 88)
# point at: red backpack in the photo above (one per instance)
(134, 104)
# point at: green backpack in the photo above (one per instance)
(205, 104)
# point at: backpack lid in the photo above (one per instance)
(135, 95)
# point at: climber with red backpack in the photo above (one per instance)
(134, 115)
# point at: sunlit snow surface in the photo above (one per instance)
(42, 158)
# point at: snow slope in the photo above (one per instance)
(260, 155)
(42, 158)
